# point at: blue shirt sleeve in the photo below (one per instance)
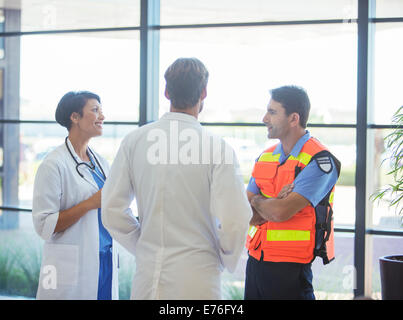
(252, 187)
(314, 184)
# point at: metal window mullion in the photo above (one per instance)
(255, 24)
(361, 141)
(365, 9)
(217, 124)
(149, 61)
(11, 109)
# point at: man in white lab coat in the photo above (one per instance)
(192, 207)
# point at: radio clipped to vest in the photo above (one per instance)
(324, 235)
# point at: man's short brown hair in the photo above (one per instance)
(185, 80)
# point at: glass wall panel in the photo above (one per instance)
(20, 257)
(244, 63)
(37, 140)
(383, 216)
(20, 246)
(248, 143)
(106, 63)
(388, 93)
(341, 142)
(39, 15)
(211, 11)
(389, 8)
(336, 280)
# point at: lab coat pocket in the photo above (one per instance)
(63, 260)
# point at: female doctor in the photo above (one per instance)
(79, 258)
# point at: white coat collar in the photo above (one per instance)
(73, 152)
(181, 117)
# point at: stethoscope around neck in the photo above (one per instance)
(89, 166)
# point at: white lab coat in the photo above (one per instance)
(72, 255)
(193, 218)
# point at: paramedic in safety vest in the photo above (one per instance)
(291, 194)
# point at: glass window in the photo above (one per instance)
(341, 142)
(336, 280)
(383, 216)
(244, 63)
(389, 8)
(38, 15)
(37, 140)
(388, 95)
(127, 267)
(247, 142)
(105, 63)
(18, 240)
(20, 255)
(211, 11)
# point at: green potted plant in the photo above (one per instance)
(391, 267)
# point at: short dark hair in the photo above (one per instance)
(293, 99)
(73, 101)
(185, 80)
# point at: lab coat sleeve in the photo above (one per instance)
(117, 195)
(229, 205)
(46, 199)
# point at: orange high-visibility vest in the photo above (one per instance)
(309, 233)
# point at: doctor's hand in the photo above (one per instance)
(95, 200)
(70, 216)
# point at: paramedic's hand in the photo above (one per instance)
(256, 219)
(285, 191)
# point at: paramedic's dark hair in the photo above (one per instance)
(293, 99)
